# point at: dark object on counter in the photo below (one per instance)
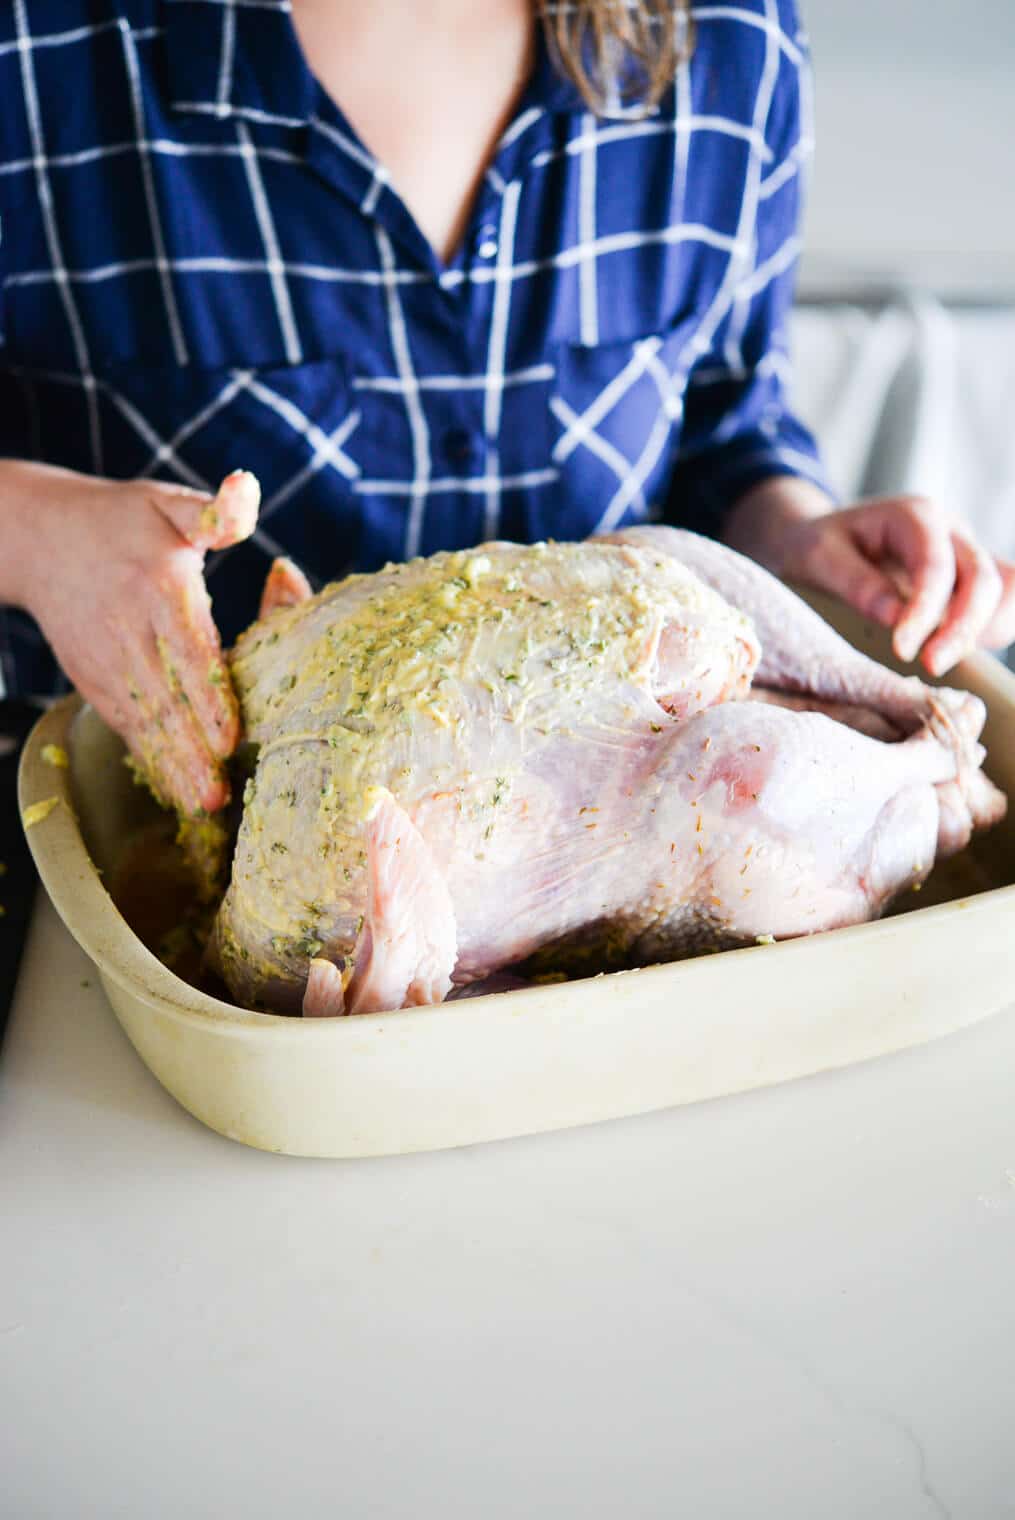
(17, 871)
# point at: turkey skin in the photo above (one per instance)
(569, 758)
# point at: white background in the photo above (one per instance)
(914, 173)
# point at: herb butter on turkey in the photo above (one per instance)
(552, 751)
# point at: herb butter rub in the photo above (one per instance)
(444, 696)
(543, 754)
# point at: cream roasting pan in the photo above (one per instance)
(547, 1057)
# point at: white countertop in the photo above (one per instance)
(798, 1302)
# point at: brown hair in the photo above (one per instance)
(626, 49)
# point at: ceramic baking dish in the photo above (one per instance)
(546, 1057)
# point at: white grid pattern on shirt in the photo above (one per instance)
(342, 140)
(584, 142)
(520, 125)
(395, 385)
(321, 456)
(768, 23)
(418, 430)
(472, 485)
(327, 448)
(683, 117)
(620, 242)
(588, 294)
(53, 242)
(630, 489)
(151, 201)
(300, 423)
(269, 237)
(740, 284)
(670, 391)
(380, 181)
(590, 135)
(641, 350)
(245, 113)
(214, 264)
(626, 131)
(227, 55)
(726, 295)
(703, 336)
(740, 310)
(802, 154)
(630, 492)
(584, 423)
(494, 389)
(582, 427)
(601, 447)
(149, 145)
(495, 179)
(796, 160)
(78, 34)
(775, 265)
(143, 428)
(749, 204)
(165, 451)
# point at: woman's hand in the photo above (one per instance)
(899, 560)
(113, 573)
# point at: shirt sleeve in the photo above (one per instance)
(738, 428)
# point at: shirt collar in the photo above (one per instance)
(237, 61)
(548, 87)
(244, 62)
(557, 92)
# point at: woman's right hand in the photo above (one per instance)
(112, 571)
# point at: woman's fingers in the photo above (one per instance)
(829, 559)
(974, 602)
(211, 522)
(917, 535)
(127, 614)
(191, 655)
(957, 594)
(164, 735)
(284, 586)
(902, 562)
(1000, 630)
(203, 708)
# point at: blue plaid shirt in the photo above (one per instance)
(203, 268)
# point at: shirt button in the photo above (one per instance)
(487, 242)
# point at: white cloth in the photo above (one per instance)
(914, 397)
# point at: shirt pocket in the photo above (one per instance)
(615, 412)
(195, 423)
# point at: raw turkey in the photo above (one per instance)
(553, 757)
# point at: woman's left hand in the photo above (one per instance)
(900, 560)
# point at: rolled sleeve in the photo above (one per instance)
(738, 427)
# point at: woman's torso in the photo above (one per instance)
(204, 269)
